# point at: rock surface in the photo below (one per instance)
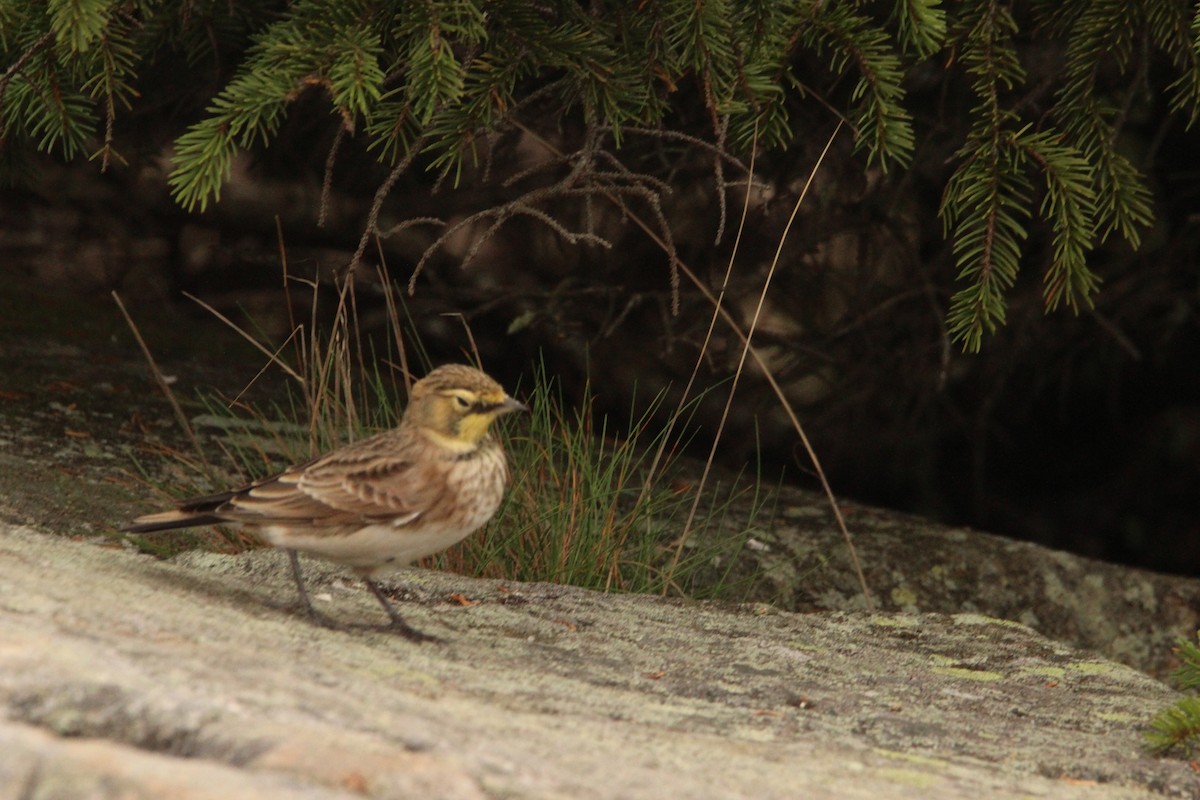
(125, 676)
(1130, 615)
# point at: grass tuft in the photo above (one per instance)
(591, 509)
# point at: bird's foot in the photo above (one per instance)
(401, 627)
(398, 625)
(321, 620)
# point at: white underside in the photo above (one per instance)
(370, 550)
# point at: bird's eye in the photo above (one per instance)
(462, 402)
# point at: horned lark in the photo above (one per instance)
(381, 502)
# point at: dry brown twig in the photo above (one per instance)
(160, 378)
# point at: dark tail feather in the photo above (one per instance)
(195, 512)
(160, 522)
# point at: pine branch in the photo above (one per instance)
(922, 26)
(985, 205)
(1070, 207)
(55, 114)
(1122, 197)
(1178, 36)
(1104, 32)
(1176, 729)
(111, 84)
(355, 76)
(1187, 675)
(16, 71)
(77, 24)
(249, 109)
(883, 125)
(985, 208)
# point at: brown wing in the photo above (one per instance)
(379, 478)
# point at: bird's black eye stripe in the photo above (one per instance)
(477, 407)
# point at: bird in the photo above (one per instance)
(384, 501)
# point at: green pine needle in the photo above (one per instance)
(1176, 729)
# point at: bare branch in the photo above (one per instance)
(385, 188)
(327, 181)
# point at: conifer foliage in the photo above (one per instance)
(1175, 730)
(426, 81)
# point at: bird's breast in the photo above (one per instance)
(477, 486)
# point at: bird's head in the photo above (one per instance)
(456, 405)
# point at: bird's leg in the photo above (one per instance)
(316, 616)
(398, 624)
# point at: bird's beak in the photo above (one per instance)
(509, 405)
